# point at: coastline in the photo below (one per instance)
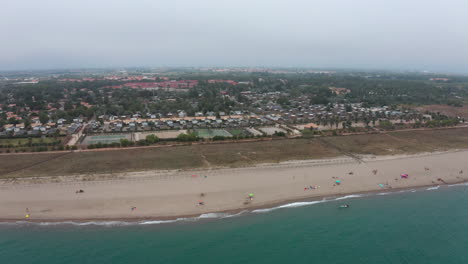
(273, 185)
(226, 213)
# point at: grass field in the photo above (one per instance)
(402, 142)
(229, 155)
(448, 110)
(210, 133)
(14, 163)
(238, 132)
(23, 141)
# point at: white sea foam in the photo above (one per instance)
(236, 215)
(290, 205)
(458, 184)
(433, 188)
(349, 197)
(96, 223)
(300, 204)
(212, 215)
(125, 223)
(157, 222)
(91, 223)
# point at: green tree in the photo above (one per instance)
(124, 142)
(151, 139)
(43, 118)
(187, 137)
(13, 121)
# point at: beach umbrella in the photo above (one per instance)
(404, 175)
(338, 181)
(251, 195)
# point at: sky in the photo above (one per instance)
(367, 34)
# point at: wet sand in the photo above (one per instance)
(167, 195)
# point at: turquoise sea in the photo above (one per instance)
(423, 226)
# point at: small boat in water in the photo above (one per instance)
(344, 206)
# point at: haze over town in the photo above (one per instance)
(407, 35)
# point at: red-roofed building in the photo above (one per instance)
(223, 81)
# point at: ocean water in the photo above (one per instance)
(423, 226)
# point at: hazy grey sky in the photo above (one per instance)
(405, 34)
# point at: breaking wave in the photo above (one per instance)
(300, 204)
(458, 184)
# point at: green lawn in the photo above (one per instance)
(238, 132)
(24, 141)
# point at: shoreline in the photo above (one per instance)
(234, 212)
(170, 195)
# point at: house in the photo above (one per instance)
(36, 126)
(9, 127)
(182, 114)
(311, 126)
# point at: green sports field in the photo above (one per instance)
(238, 131)
(210, 133)
(105, 139)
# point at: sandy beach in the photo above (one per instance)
(171, 194)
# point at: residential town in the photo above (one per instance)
(90, 110)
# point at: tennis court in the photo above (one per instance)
(238, 132)
(210, 133)
(272, 130)
(105, 139)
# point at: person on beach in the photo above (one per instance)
(133, 208)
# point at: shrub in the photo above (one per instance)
(151, 139)
(187, 137)
(279, 134)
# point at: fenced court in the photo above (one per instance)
(210, 133)
(271, 130)
(238, 132)
(160, 134)
(105, 139)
